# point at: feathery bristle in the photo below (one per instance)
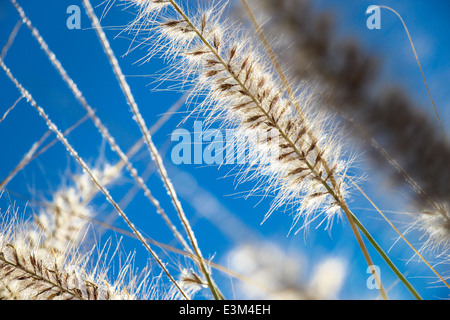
(36, 273)
(400, 139)
(240, 89)
(66, 217)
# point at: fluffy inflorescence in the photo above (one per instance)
(29, 272)
(272, 273)
(61, 226)
(436, 227)
(400, 138)
(292, 148)
(42, 259)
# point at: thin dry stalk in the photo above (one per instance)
(36, 273)
(25, 160)
(420, 67)
(65, 133)
(11, 38)
(33, 153)
(347, 77)
(148, 139)
(61, 226)
(85, 167)
(10, 109)
(300, 112)
(240, 87)
(102, 129)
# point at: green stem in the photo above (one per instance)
(386, 258)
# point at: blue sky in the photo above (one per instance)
(203, 188)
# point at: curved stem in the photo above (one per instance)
(386, 258)
(151, 147)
